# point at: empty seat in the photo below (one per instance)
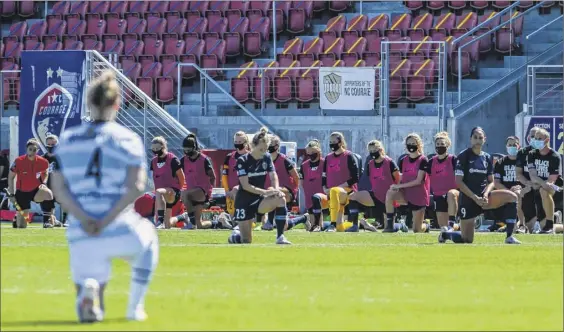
(284, 83)
(241, 84)
(501, 4)
(373, 51)
(178, 7)
(332, 51)
(241, 6)
(118, 7)
(158, 8)
(436, 5)
(136, 25)
(166, 84)
(319, 6)
(400, 24)
(311, 50)
(79, 7)
(33, 45)
(233, 38)
(504, 40)
(334, 27)
(115, 25)
(96, 27)
(76, 26)
(307, 83)
(254, 42)
(138, 7)
(147, 79)
(61, 8)
(174, 47)
(527, 4)
(131, 69)
(398, 75)
(377, 26)
(339, 5)
(299, 16)
(221, 6)
(56, 27)
(92, 43)
(516, 23)
(72, 45)
(12, 49)
(217, 26)
(262, 84)
(133, 47)
(263, 6)
(53, 45)
(487, 42)
(156, 25)
(420, 80)
(413, 5)
(113, 46)
(153, 46)
(443, 26)
(37, 29)
(479, 4)
(354, 49)
(175, 25)
(355, 26)
(196, 24)
(401, 48)
(214, 57)
(423, 48)
(18, 30)
(456, 5)
(26, 8)
(292, 48)
(282, 9)
(465, 23)
(99, 7)
(421, 23)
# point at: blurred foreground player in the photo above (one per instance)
(30, 173)
(98, 195)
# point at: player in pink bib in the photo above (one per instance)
(229, 178)
(414, 185)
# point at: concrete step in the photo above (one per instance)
(471, 85)
(493, 73)
(452, 97)
(514, 61)
(536, 48)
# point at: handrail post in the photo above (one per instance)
(262, 98)
(459, 75)
(533, 89)
(360, 7)
(178, 93)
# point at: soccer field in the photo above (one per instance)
(325, 281)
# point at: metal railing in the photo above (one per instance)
(545, 89)
(9, 85)
(139, 112)
(487, 34)
(542, 27)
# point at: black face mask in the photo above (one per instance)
(239, 146)
(158, 152)
(334, 146)
(190, 153)
(50, 149)
(312, 156)
(411, 148)
(441, 150)
(375, 155)
(272, 149)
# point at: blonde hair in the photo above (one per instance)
(274, 140)
(314, 144)
(159, 140)
(443, 135)
(543, 132)
(377, 143)
(418, 141)
(104, 91)
(341, 138)
(261, 136)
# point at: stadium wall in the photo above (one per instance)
(218, 131)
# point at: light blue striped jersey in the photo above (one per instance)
(93, 159)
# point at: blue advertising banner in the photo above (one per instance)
(52, 88)
(553, 124)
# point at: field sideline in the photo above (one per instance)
(325, 281)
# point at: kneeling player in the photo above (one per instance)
(474, 176)
(253, 168)
(229, 179)
(383, 173)
(145, 206)
(310, 181)
(413, 188)
(30, 173)
(443, 182)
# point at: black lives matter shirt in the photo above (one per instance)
(546, 165)
(504, 171)
(522, 160)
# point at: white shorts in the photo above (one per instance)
(92, 257)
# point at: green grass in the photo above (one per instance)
(325, 281)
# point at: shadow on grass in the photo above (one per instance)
(56, 322)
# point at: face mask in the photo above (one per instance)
(512, 150)
(334, 146)
(375, 155)
(411, 148)
(441, 150)
(312, 156)
(532, 142)
(50, 149)
(239, 146)
(189, 152)
(272, 149)
(158, 152)
(538, 144)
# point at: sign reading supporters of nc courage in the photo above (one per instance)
(554, 125)
(342, 88)
(52, 89)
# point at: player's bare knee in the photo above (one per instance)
(452, 194)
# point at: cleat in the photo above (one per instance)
(47, 225)
(160, 226)
(307, 224)
(522, 230)
(224, 219)
(367, 226)
(501, 229)
(282, 240)
(536, 228)
(139, 315)
(512, 240)
(88, 302)
(65, 224)
(57, 223)
(547, 231)
(427, 229)
(331, 229)
(316, 229)
(441, 238)
(267, 226)
(352, 229)
(403, 227)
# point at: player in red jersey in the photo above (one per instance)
(145, 206)
(30, 172)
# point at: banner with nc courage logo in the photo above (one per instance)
(52, 92)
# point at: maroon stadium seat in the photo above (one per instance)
(99, 7)
(527, 4)
(147, 79)
(307, 82)
(176, 25)
(177, 8)
(299, 16)
(465, 64)
(214, 57)
(72, 45)
(486, 42)
(7, 94)
(443, 26)
(319, 6)
(133, 47)
(355, 26)
(61, 8)
(501, 4)
(96, 27)
(373, 51)
(136, 25)
(354, 49)
(115, 25)
(156, 25)
(464, 23)
(284, 83)
(420, 79)
(504, 40)
(33, 45)
(339, 5)
(436, 5)
(334, 27)
(196, 24)
(153, 46)
(26, 8)
(241, 84)
(166, 84)
(398, 75)
(18, 30)
(187, 71)
(264, 81)
(92, 43)
(118, 7)
(174, 47)
(422, 22)
(254, 41)
(292, 48)
(241, 6)
(79, 7)
(233, 16)
(401, 48)
(456, 5)
(217, 26)
(263, 6)
(400, 24)
(234, 37)
(13, 50)
(282, 9)
(516, 24)
(76, 26)
(113, 46)
(220, 6)
(311, 50)
(414, 5)
(377, 26)
(479, 4)
(332, 51)
(53, 45)
(138, 7)
(473, 49)
(8, 8)
(158, 8)
(200, 6)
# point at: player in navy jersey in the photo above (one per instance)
(474, 177)
(252, 169)
(505, 177)
(544, 168)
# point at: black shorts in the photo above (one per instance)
(246, 206)
(495, 214)
(467, 208)
(292, 197)
(413, 207)
(379, 207)
(24, 198)
(176, 199)
(532, 206)
(441, 203)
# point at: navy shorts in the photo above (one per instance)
(379, 207)
(532, 205)
(246, 205)
(441, 203)
(467, 208)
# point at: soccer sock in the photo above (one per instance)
(353, 212)
(296, 221)
(549, 224)
(215, 224)
(259, 217)
(316, 204)
(181, 217)
(64, 217)
(451, 221)
(271, 216)
(454, 236)
(316, 218)
(141, 274)
(334, 204)
(160, 216)
(47, 208)
(192, 218)
(510, 214)
(280, 219)
(389, 221)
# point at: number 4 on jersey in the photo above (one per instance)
(94, 167)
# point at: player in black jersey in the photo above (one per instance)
(544, 167)
(530, 195)
(505, 177)
(50, 143)
(474, 177)
(252, 169)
